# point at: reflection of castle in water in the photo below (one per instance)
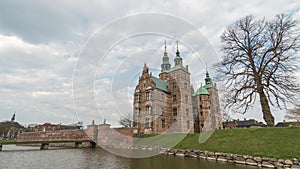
(169, 103)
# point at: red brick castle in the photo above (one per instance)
(169, 103)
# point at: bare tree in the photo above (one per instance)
(260, 60)
(293, 114)
(226, 116)
(126, 121)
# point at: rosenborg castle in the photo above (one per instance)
(169, 104)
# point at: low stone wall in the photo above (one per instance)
(59, 135)
(238, 159)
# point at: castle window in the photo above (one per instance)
(148, 95)
(137, 111)
(185, 85)
(175, 123)
(135, 124)
(163, 123)
(187, 112)
(147, 123)
(201, 113)
(188, 124)
(201, 107)
(174, 98)
(174, 85)
(148, 110)
(137, 98)
(175, 111)
(162, 110)
(186, 98)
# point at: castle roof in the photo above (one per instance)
(201, 91)
(160, 84)
(208, 86)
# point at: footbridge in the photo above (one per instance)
(77, 137)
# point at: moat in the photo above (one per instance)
(15, 157)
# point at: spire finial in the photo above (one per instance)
(165, 46)
(177, 52)
(13, 117)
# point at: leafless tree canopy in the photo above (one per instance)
(260, 60)
(293, 114)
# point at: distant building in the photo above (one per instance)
(9, 130)
(251, 123)
(53, 127)
(287, 124)
(169, 104)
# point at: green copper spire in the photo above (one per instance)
(166, 64)
(178, 59)
(208, 81)
(201, 91)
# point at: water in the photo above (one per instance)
(19, 157)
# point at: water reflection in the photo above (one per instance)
(87, 158)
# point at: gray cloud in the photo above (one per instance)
(40, 42)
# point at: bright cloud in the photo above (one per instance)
(40, 45)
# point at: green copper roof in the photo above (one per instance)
(160, 84)
(201, 91)
(208, 86)
(174, 68)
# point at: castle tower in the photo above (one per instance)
(206, 107)
(178, 59)
(165, 66)
(178, 78)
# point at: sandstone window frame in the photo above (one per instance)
(174, 111)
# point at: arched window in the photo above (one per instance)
(163, 123)
(174, 111)
(148, 95)
(174, 98)
(174, 85)
(147, 123)
(148, 110)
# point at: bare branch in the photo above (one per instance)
(260, 59)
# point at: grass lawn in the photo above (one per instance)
(266, 142)
(7, 141)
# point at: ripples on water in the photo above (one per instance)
(19, 157)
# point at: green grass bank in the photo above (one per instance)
(7, 141)
(266, 142)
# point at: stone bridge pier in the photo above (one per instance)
(104, 135)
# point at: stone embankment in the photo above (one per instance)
(238, 159)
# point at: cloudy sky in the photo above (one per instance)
(64, 61)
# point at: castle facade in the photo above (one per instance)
(168, 103)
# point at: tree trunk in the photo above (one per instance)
(267, 115)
